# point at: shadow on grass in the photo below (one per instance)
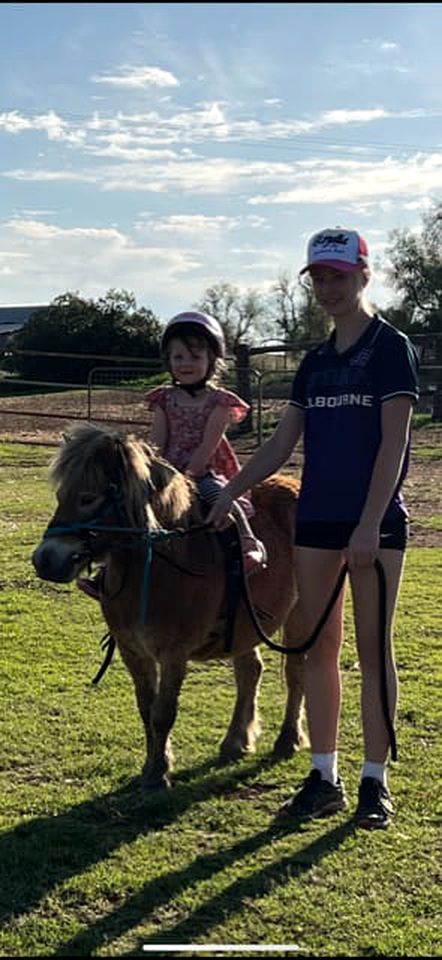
(40, 854)
(197, 927)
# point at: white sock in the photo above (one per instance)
(327, 764)
(376, 770)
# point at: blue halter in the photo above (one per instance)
(113, 500)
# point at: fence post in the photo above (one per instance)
(243, 385)
(259, 376)
(89, 392)
(437, 399)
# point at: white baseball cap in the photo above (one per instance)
(341, 249)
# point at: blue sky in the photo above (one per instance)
(163, 147)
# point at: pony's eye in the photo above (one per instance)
(87, 499)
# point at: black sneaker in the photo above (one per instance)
(375, 809)
(317, 798)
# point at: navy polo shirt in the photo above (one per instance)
(342, 394)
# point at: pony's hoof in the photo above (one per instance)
(231, 752)
(287, 744)
(150, 781)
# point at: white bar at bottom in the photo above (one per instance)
(218, 947)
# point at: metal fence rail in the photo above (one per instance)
(257, 374)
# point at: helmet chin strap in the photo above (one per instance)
(191, 388)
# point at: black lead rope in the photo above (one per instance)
(109, 642)
(383, 656)
(313, 636)
(382, 633)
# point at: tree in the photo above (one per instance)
(241, 315)
(415, 272)
(283, 307)
(315, 324)
(294, 310)
(113, 325)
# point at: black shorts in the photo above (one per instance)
(335, 536)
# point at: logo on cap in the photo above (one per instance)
(341, 249)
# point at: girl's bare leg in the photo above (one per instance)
(365, 592)
(317, 573)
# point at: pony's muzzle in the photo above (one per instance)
(58, 561)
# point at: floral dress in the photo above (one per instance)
(186, 424)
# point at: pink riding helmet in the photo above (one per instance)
(195, 318)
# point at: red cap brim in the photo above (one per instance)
(340, 265)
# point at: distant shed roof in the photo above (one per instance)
(14, 317)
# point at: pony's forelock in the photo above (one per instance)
(77, 462)
(90, 459)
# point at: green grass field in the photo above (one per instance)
(89, 866)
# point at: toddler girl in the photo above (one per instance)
(190, 419)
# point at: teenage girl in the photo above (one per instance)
(352, 401)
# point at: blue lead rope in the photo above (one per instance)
(149, 536)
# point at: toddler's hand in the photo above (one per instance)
(220, 511)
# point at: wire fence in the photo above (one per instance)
(113, 392)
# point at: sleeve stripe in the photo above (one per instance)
(401, 393)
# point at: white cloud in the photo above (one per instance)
(310, 181)
(344, 181)
(123, 147)
(422, 204)
(135, 135)
(35, 230)
(195, 176)
(37, 213)
(100, 258)
(248, 251)
(138, 78)
(194, 224)
(50, 123)
(48, 176)
(377, 44)
(45, 260)
(334, 118)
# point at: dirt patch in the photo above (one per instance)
(35, 420)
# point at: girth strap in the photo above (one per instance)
(231, 544)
